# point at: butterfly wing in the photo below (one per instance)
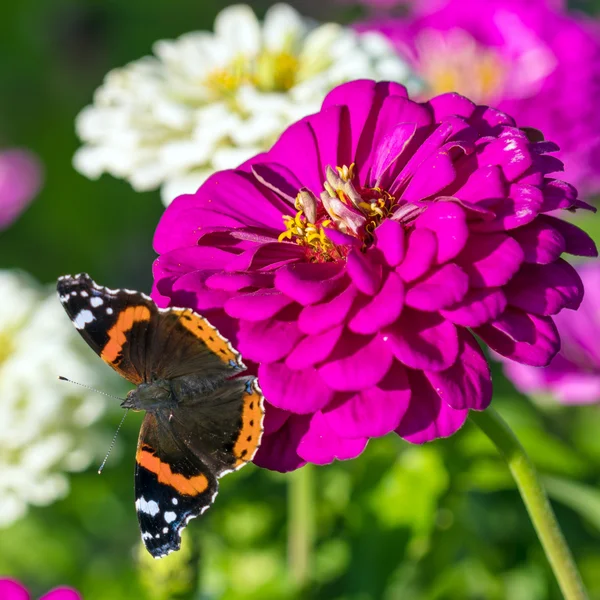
(172, 486)
(223, 426)
(141, 341)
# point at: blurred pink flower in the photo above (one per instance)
(352, 263)
(20, 181)
(573, 376)
(532, 60)
(13, 590)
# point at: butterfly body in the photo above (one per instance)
(203, 420)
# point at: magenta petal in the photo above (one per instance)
(314, 349)
(485, 186)
(390, 148)
(389, 239)
(62, 593)
(490, 260)
(420, 255)
(510, 153)
(278, 451)
(372, 412)
(577, 241)
(448, 221)
(545, 289)
(428, 417)
(450, 104)
(320, 317)
(423, 340)
(383, 309)
(308, 283)
(321, 445)
(432, 176)
(275, 418)
(541, 243)
(12, 590)
(468, 382)
(232, 282)
(190, 290)
(267, 341)
(364, 272)
(279, 179)
(539, 353)
(357, 363)
(443, 287)
(300, 392)
(478, 307)
(257, 306)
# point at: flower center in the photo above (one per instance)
(342, 206)
(453, 61)
(268, 71)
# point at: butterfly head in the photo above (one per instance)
(149, 396)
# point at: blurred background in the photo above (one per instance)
(442, 521)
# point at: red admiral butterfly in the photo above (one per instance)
(201, 422)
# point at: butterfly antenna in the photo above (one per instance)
(90, 388)
(112, 443)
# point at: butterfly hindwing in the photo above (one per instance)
(222, 426)
(172, 486)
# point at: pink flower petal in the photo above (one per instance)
(420, 255)
(190, 290)
(467, 383)
(314, 349)
(321, 445)
(478, 307)
(257, 306)
(486, 185)
(432, 176)
(389, 239)
(439, 289)
(545, 289)
(365, 273)
(490, 260)
(538, 353)
(62, 593)
(448, 221)
(12, 590)
(320, 317)
(388, 151)
(233, 282)
(428, 417)
(381, 310)
(267, 341)
(541, 243)
(372, 412)
(510, 153)
(299, 392)
(308, 283)
(423, 340)
(357, 363)
(577, 241)
(278, 451)
(279, 179)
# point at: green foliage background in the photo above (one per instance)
(438, 522)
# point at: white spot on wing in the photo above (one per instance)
(85, 316)
(109, 311)
(175, 501)
(148, 507)
(95, 301)
(165, 530)
(170, 516)
(84, 293)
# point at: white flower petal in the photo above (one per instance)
(238, 26)
(283, 28)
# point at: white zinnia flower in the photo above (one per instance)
(43, 422)
(209, 101)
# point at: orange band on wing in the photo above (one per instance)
(204, 331)
(116, 334)
(249, 438)
(191, 486)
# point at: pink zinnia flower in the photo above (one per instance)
(573, 376)
(532, 60)
(354, 261)
(20, 181)
(13, 590)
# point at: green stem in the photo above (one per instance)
(536, 501)
(301, 524)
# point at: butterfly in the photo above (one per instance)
(202, 419)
